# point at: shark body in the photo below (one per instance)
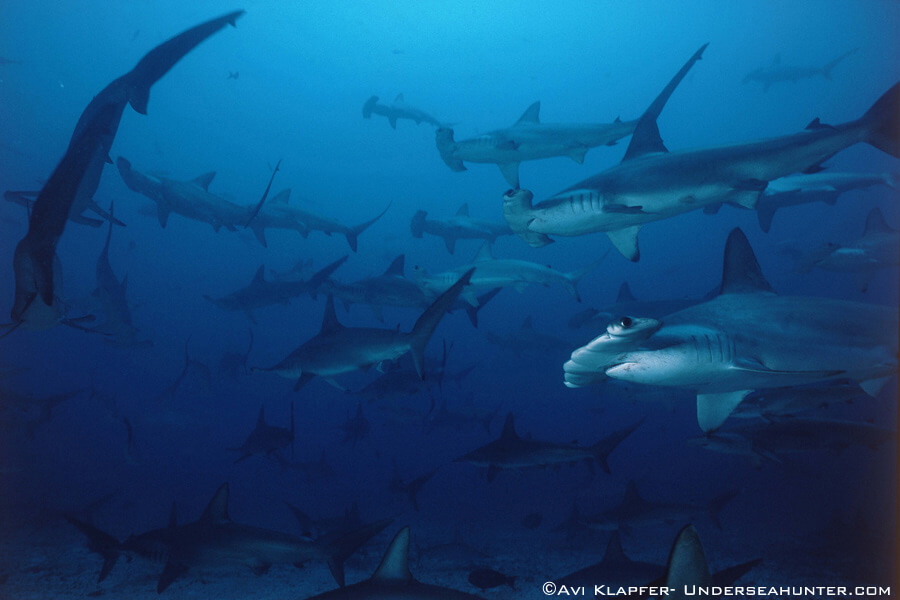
(459, 227)
(510, 451)
(337, 349)
(215, 541)
(528, 139)
(398, 109)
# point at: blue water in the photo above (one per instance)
(304, 72)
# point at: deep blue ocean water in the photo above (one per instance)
(304, 71)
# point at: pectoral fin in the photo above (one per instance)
(172, 571)
(626, 242)
(873, 386)
(713, 409)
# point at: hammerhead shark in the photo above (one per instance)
(529, 139)
(746, 338)
(778, 72)
(214, 540)
(459, 227)
(262, 292)
(77, 176)
(398, 109)
(337, 349)
(652, 183)
(266, 439)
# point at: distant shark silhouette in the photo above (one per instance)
(214, 540)
(778, 72)
(399, 109)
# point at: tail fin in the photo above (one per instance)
(472, 311)
(316, 281)
(417, 225)
(428, 322)
(100, 542)
(574, 277)
(368, 106)
(342, 547)
(826, 70)
(446, 145)
(882, 122)
(354, 232)
(605, 446)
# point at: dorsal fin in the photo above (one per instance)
(204, 180)
(531, 114)
(625, 294)
(399, 98)
(875, 223)
(741, 273)
(463, 210)
(526, 324)
(173, 517)
(509, 429)
(394, 567)
(646, 138)
(260, 276)
(632, 497)
(261, 419)
(217, 509)
(329, 319)
(396, 267)
(618, 120)
(817, 124)
(484, 253)
(282, 197)
(614, 550)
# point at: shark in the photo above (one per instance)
(398, 109)
(411, 488)
(635, 511)
(393, 288)
(877, 248)
(825, 186)
(347, 521)
(490, 273)
(527, 341)
(235, 363)
(529, 139)
(338, 349)
(261, 292)
(775, 403)
(280, 213)
(747, 338)
(266, 439)
(215, 541)
(459, 227)
(393, 580)
(805, 434)
(74, 181)
(191, 365)
(510, 451)
(112, 297)
(615, 569)
(466, 417)
(778, 72)
(191, 199)
(651, 183)
(627, 304)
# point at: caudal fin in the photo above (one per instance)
(353, 233)
(368, 106)
(882, 122)
(447, 146)
(417, 225)
(574, 277)
(428, 322)
(100, 542)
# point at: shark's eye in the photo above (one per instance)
(625, 322)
